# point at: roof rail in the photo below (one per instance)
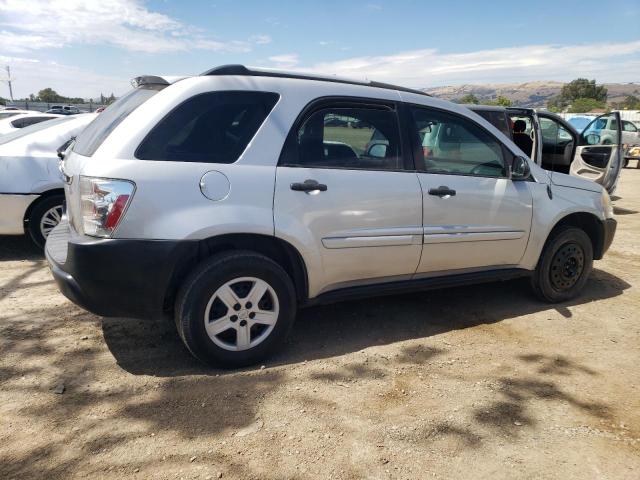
(241, 70)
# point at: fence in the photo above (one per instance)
(44, 106)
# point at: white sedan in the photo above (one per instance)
(32, 194)
(22, 120)
(5, 113)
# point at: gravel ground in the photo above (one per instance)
(473, 382)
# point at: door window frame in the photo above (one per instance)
(416, 147)
(289, 155)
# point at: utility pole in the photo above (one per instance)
(8, 80)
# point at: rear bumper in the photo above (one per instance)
(114, 277)
(13, 207)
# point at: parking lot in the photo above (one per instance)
(473, 382)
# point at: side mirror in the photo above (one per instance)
(593, 139)
(62, 149)
(520, 169)
(377, 150)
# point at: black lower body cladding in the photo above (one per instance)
(116, 277)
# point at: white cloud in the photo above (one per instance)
(128, 24)
(288, 60)
(31, 75)
(428, 67)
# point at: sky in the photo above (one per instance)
(87, 47)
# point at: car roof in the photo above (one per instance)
(487, 108)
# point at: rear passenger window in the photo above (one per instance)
(450, 144)
(213, 127)
(354, 138)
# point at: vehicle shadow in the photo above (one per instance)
(18, 247)
(154, 348)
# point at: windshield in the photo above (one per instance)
(23, 132)
(96, 133)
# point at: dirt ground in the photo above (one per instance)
(474, 382)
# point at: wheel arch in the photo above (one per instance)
(42, 196)
(280, 251)
(589, 223)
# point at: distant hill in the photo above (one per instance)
(530, 94)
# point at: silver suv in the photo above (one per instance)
(229, 200)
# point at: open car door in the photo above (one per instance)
(598, 156)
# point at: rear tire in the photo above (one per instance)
(44, 216)
(222, 316)
(564, 266)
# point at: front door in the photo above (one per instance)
(343, 194)
(598, 156)
(474, 215)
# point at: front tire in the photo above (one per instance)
(44, 217)
(235, 309)
(564, 266)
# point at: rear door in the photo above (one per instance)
(342, 191)
(598, 156)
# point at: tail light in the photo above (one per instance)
(103, 203)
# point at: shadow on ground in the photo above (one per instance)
(153, 348)
(160, 389)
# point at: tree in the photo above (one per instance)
(3, 101)
(49, 95)
(630, 102)
(469, 98)
(501, 101)
(581, 105)
(580, 88)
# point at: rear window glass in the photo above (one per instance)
(23, 132)
(213, 127)
(98, 130)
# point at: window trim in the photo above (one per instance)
(175, 107)
(416, 145)
(289, 153)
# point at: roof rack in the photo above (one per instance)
(241, 70)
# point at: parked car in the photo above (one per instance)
(64, 110)
(30, 182)
(557, 146)
(9, 108)
(12, 113)
(17, 122)
(213, 200)
(580, 122)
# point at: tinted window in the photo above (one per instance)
(454, 145)
(23, 132)
(553, 132)
(358, 138)
(212, 127)
(98, 130)
(497, 119)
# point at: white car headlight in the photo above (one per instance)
(103, 202)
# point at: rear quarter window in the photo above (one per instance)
(212, 127)
(96, 133)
